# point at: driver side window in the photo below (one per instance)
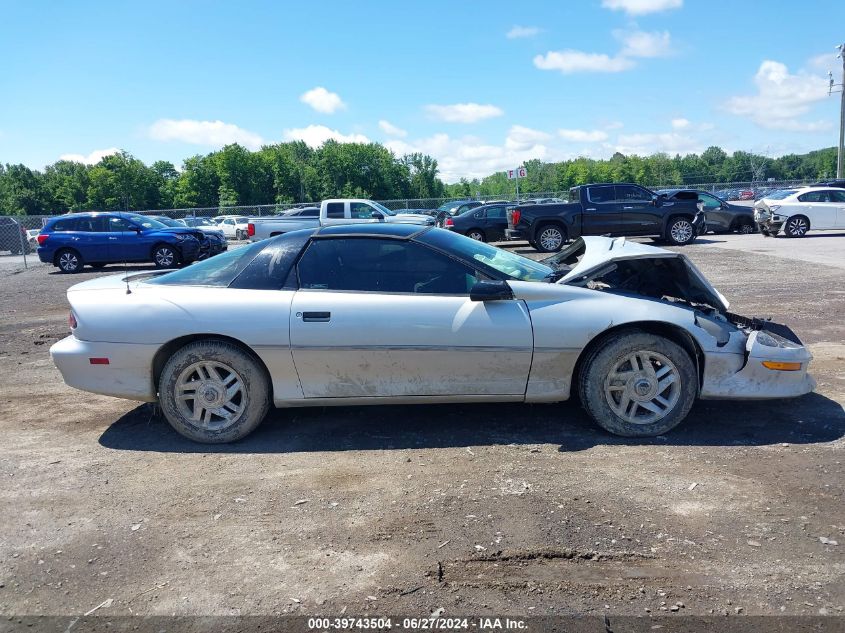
(360, 211)
(382, 265)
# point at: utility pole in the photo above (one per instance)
(840, 155)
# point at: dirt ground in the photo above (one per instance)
(498, 509)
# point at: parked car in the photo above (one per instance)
(13, 236)
(211, 242)
(836, 182)
(233, 226)
(486, 223)
(203, 224)
(333, 211)
(402, 314)
(607, 209)
(32, 238)
(721, 216)
(69, 242)
(797, 211)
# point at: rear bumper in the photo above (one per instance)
(514, 234)
(127, 375)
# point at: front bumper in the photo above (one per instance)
(732, 377)
(128, 373)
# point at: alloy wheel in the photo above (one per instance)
(643, 387)
(550, 239)
(681, 231)
(797, 227)
(210, 394)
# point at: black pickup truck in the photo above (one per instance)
(606, 209)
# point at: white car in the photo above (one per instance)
(234, 227)
(405, 314)
(32, 237)
(797, 211)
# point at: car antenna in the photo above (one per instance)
(125, 266)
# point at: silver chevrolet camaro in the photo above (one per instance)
(393, 313)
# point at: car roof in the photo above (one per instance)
(375, 229)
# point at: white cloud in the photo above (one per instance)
(614, 125)
(825, 62)
(322, 100)
(635, 44)
(644, 44)
(522, 31)
(521, 138)
(583, 136)
(680, 123)
(391, 130)
(316, 135)
(781, 99)
(570, 61)
(212, 133)
(91, 159)
(641, 7)
(463, 112)
(647, 144)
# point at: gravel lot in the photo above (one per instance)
(504, 509)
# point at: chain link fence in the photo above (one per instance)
(18, 234)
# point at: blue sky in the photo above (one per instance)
(481, 86)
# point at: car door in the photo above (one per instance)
(639, 214)
(717, 215)
(818, 208)
(125, 242)
(228, 227)
(84, 234)
(382, 318)
(601, 214)
(838, 197)
(495, 223)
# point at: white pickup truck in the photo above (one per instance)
(334, 211)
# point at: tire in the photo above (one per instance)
(680, 231)
(476, 234)
(214, 364)
(796, 226)
(533, 245)
(165, 256)
(240, 235)
(745, 227)
(550, 238)
(69, 261)
(619, 405)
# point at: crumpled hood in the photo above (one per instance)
(599, 253)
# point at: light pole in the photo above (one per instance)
(840, 168)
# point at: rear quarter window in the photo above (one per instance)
(67, 224)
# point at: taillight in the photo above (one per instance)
(71, 320)
(42, 238)
(250, 229)
(449, 222)
(516, 215)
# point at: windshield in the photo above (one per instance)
(169, 222)
(497, 259)
(147, 223)
(448, 206)
(780, 195)
(383, 208)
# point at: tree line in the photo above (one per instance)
(294, 172)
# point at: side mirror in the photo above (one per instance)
(378, 215)
(491, 291)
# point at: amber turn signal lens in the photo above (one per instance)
(778, 366)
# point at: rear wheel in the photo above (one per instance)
(214, 392)
(796, 226)
(69, 261)
(680, 231)
(637, 384)
(240, 234)
(476, 234)
(745, 227)
(165, 256)
(550, 238)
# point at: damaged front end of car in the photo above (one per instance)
(743, 358)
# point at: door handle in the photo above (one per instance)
(627, 207)
(112, 238)
(316, 317)
(590, 209)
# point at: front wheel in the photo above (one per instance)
(637, 384)
(550, 238)
(214, 392)
(680, 231)
(796, 226)
(745, 228)
(165, 256)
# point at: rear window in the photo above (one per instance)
(218, 271)
(334, 210)
(66, 224)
